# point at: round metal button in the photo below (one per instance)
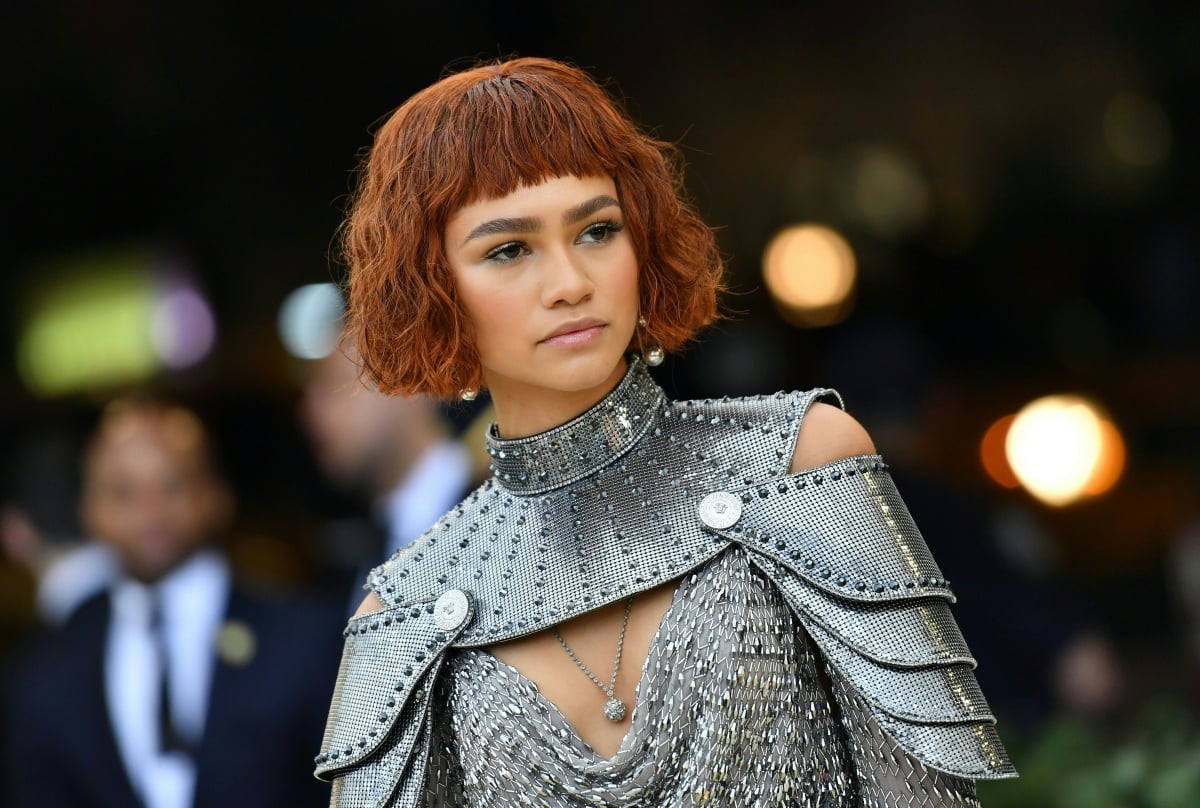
(720, 510)
(451, 610)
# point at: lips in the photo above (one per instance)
(574, 330)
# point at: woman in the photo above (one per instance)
(651, 602)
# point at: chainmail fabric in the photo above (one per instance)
(730, 710)
(733, 708)
(809, 656)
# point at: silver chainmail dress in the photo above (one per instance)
(808, 657)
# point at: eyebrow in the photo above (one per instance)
(531, 224)
(585, 209)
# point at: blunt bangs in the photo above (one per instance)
(517, 131)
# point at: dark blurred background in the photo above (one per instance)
(1017, 183)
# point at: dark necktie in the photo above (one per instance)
(169, 738)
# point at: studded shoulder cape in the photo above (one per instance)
(635, 492)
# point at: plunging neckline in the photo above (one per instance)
(637, 717)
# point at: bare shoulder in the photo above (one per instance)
(371, 603)
(829, 434)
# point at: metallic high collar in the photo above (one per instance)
(587, 443)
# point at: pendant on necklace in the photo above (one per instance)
(614, 710)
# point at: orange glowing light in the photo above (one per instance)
(1112, 460)
(1064, 448)
(991, 452)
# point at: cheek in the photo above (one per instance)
(113, 523)
(496, 316)
(198, 518)
(98, 516)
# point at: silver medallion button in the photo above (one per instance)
(451, 610)
(720, 510)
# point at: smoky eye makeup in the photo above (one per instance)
(506, 253)
(598, 232)
(601, 231)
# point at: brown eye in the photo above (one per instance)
(600, 232)
(507, 253)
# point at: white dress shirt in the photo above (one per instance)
(193, 599)
(435, 484)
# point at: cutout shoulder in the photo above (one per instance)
(371, 603)
(829, 434)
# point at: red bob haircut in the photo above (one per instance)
(481, 134)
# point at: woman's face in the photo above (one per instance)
(548, 277)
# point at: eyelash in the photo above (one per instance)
(601, 232)
(609, 227)
(496, 256)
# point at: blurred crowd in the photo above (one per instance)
(155, 670)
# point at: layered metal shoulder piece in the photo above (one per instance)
(389, 666)
(842, 547)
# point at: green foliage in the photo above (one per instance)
(1072, 764)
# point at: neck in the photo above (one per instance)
(521, 410)
(151, 573)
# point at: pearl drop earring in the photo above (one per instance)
(654, 355)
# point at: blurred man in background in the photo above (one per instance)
(39, 527)
(399, 452)
(173, 687)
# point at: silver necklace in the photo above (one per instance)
(614, 708)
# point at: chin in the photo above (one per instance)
(586, 373)
(565, 372)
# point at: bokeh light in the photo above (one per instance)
(310, 320)
(887, 192)
(1064, 448)
(88, 332)
(1137, 130)
(182, 326)
(108, 319)
(991, 452)
(810, 272)
(1112, 460)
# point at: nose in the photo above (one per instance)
(565, 280)
(151, 507)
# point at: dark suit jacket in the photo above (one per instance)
(265, 718)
